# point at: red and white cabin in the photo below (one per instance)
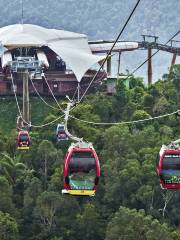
(81, 170)
(23, 140)
(168, 168)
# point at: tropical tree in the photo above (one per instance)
(8, 227)
(46, 157)
(6, 199)
(132, 224)
(46, 208)
(12, 168)
(89, 224)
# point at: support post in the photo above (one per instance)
(26, 108)
(119, 62)
(173, 61)
(78, 92)
(109, 66)
(149, 66)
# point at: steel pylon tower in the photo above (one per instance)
(26, 106)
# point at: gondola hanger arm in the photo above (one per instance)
(175, 144)
(69, 105)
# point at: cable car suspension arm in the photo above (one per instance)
(69, 105)
(175, 144)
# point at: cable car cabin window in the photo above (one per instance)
(23, 138)
(170, 173)
(82, 170)
(171, 162)
(61, 129)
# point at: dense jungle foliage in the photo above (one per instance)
(129, 202)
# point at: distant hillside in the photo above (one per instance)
(101, 20)
(98, 19)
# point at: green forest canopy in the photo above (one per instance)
(128, 202)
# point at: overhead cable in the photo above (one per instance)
(52, 93)
(108, 54)
(128, 122)
(135, 70)
(42, 99)
(133, 73)
(35, 126)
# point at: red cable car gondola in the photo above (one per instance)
(81, 170)
(23, 140)
(60, 133)
(168, 168)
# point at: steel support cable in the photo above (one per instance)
(120, 123)
(15, 95)
(141, 120)
(54, 96)
(35, 126)
(108, 54)
(42, 99)
(53, 121)
(126, 79)
(135, 70)
(38, 126)
(75, 93)
(128, 122)
(52, 93)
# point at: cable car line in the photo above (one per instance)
(114, 123)
(132, 12)
(128, 122)
(128, 75)
(177, 112)
(75, 93)
(41, 96)
(89, 122)
(108, 54)
(135, 70)
(31, 125)
(141, 120)
(12, 80)
(52, 93)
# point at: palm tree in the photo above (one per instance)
(11, 168)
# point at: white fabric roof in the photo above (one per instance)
(72, 47)
(119, 46)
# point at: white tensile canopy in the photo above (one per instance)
(72, 47)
